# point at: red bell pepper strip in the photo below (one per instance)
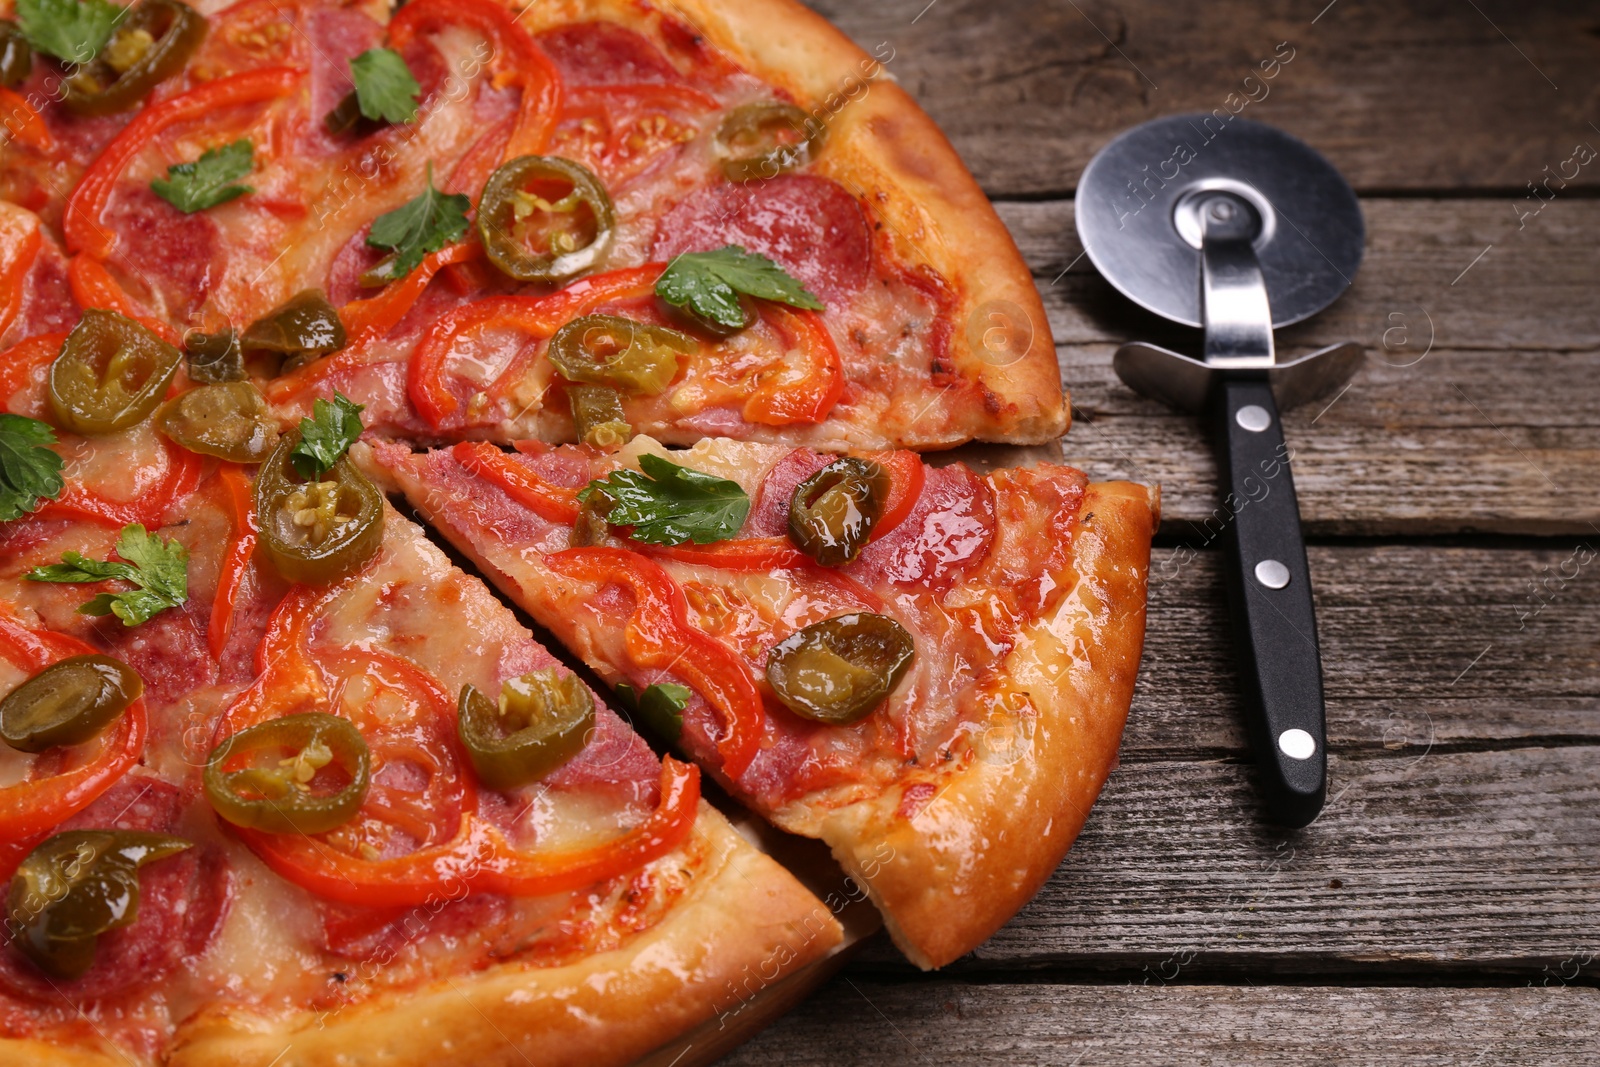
(88, 202)
(34, 806)
(906, 476)
(375, 316)
(20, 241)
(518, 873)
(741, 554)
(554, 503)
(148, 508)
(658, 635)
(782, 401)
(479, 858)
(23, 123)
(94, 287)
(521, 61)
(236, 564)
(20, 362)
(539, 316)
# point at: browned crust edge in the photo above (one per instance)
(746, 926)
(952, 873)
(883, 147)
(742, 929)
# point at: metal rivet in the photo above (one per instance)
(1297, 744)
(1272, 574)
(1253, 417)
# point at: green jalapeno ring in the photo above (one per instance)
(75, 886)
(598, 416)
(16, 55)
(152, 43)
(69, 702)
(749, 140)
(300, 329)
(832, 513)
(316, 532)
(214, 358)
(501, 208)
(543, 719)
(278, 799)
(838, 670)
(229, 421)
(110, 374)
(632, 357)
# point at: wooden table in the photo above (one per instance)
(1445, 908)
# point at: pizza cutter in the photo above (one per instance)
(1237, 228)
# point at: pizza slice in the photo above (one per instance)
(410, 208)
(926, 668)
(365, 810)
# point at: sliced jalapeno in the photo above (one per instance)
(833, 512)
(629, 356)
(214, 358)
(110, 374)
(839, 669)
(545, 219)
(597, 412)
(67, 703)
(76, 886)
(152, 43)
(228, 421)
(542, 720)
(764, 140)
(594, 510)
(302, 328)
(301, 774)
(16, 57)
(316, 532)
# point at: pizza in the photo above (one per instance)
(957, 685)
(332, 337)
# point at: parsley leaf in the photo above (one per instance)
(326, 436)
(73, 31)
(710, 284)
(29, 472)
(384, 85)
(668, 504)
(660, 706)
(158, 571)
(209, 180)
(416, 228)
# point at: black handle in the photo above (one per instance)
(1269, 592)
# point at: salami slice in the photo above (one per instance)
(811, 227)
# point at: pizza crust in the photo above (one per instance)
(953, 870)
(748, 925)
(884, 148)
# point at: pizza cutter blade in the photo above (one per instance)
(1238, 228)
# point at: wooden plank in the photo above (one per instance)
(1478, 409)
(1442, 863)
(1532, 291)
(1423, 647)
(859, 1021)
(1399, 96)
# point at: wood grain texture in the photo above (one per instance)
(1437, 861)
(1423, 95)
(859, 1021)
(1423, 648)
(1478, 409)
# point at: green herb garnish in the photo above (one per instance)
(158, 570)
(667, 504)
(709, 284)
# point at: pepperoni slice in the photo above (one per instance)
(810, 226)
(173, 253)
(182, 902)
(948, 531)
(340, 35)
(770, 515)
(603, 53)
